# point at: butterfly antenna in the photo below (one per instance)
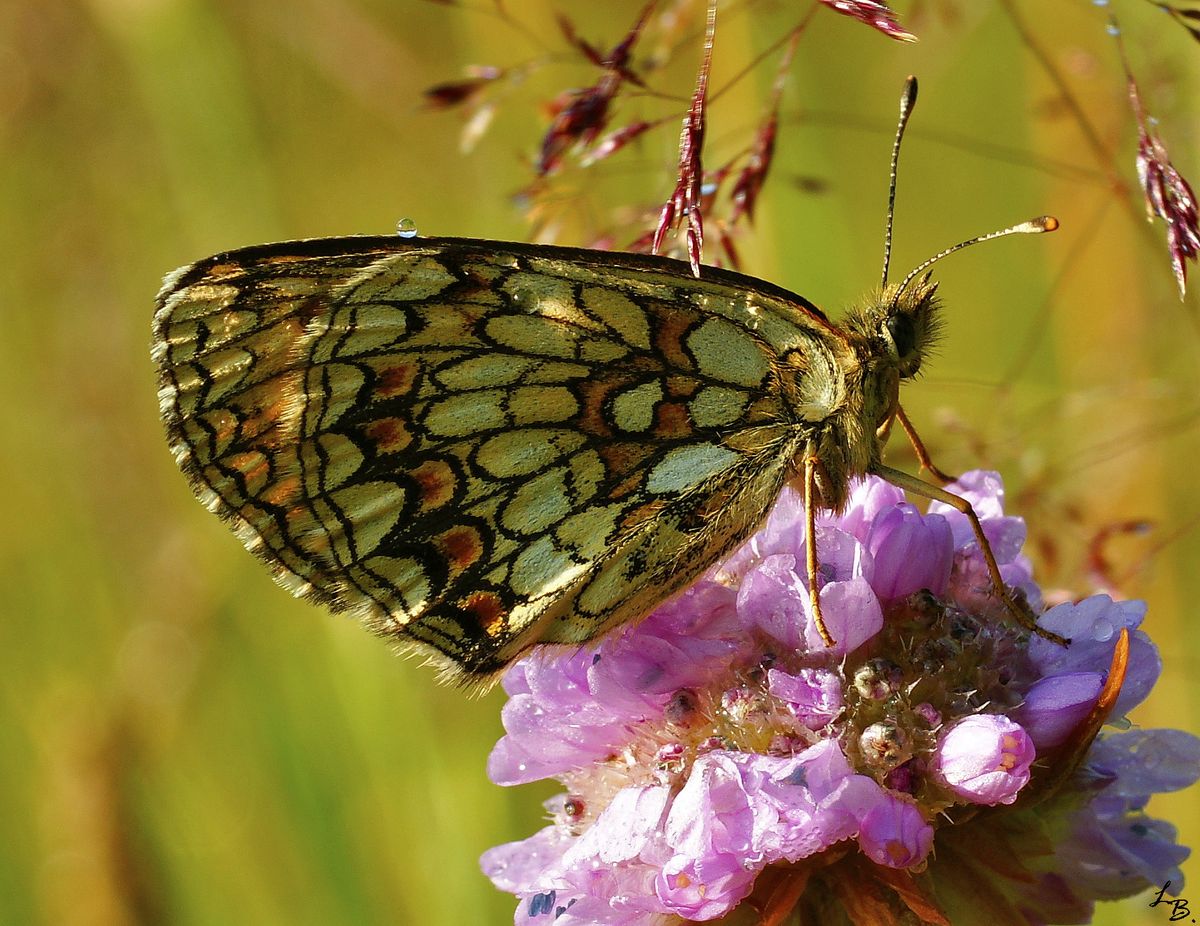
(1043, 223)
(908, 99)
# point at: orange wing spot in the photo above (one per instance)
(595, 396)
(437, 483)
(461, 546)
(672, 420)
(669, 329)
(291, 328)
(626, 486)
(297, 515)
(619, 459)
(254, 467)
(220, 271)
(263, 420)
(682, 387)
(488, 611)
(396, 380)
(642, 513)
(389, 435)
(283, 491)
(224, 423)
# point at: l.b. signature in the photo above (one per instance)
(1179, 906)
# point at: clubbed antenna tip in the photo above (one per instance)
(1043, 223)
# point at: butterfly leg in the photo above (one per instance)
(919, 448)
(810, 545)
(914, 485)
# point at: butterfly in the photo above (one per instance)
(478, 446)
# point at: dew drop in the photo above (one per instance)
(406, 228)
(707, 189)
(1100, 2)
(1103, 630)
(1112, 29)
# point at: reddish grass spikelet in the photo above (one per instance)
(615, 141)
(457, 92)
(749, 182)
(583, 114)
(589, 51)
(728, 247)
(473, 93)
(876, 15)
(686, 198)
(1168, 195)
(580, 116)
(618, 58)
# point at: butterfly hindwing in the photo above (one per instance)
(479, 446)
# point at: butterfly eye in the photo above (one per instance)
(903, 333)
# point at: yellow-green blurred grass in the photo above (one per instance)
(183, 743)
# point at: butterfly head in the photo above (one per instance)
(909, 324)
(898, 328)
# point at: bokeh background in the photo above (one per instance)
(182, 742)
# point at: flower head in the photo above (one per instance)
(719, 749)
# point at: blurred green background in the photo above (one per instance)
(181, 742)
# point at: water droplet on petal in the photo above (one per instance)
(1103, 630)
(406, 228)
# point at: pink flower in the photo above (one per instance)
(702, 889)
(814, 696)
(894, 833)
(985, 759)
(719, 748)
(911, 552)
(1054, 706)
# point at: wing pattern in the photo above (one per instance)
(480, 446)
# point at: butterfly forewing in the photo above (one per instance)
(481, 446)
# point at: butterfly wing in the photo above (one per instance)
(479, 446)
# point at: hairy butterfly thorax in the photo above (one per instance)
(887, 338)
(480, 446)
